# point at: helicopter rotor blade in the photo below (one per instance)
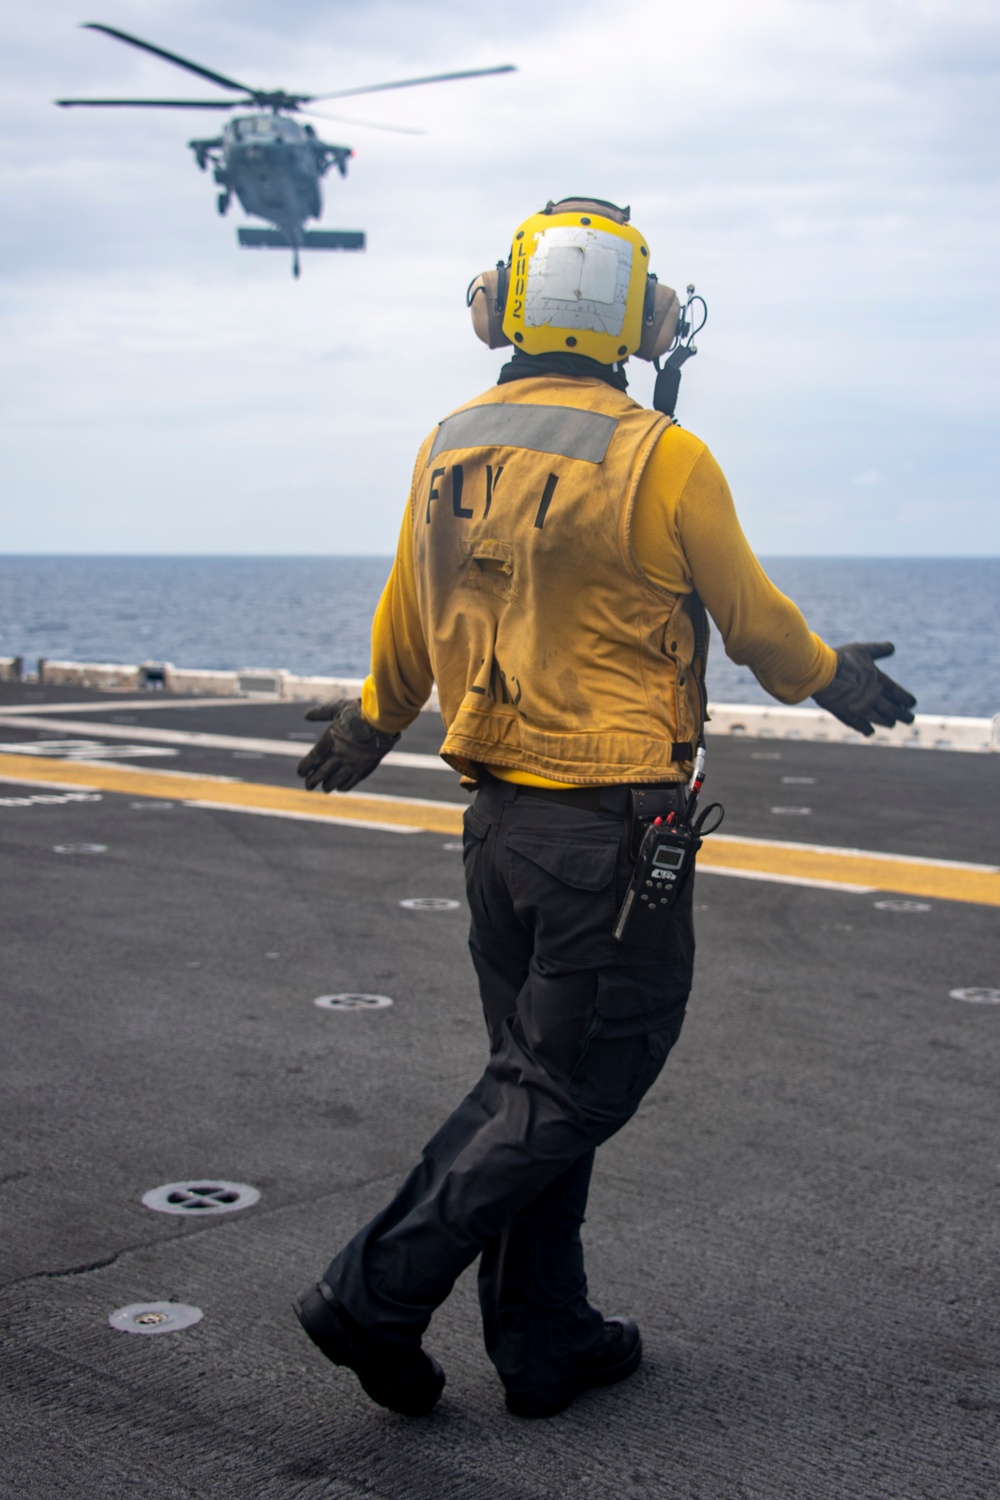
(155, 103)
(409, 83)
(171, 57)
(318, 114)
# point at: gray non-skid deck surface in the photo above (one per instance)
(803, 1215)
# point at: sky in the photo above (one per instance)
(825, 172)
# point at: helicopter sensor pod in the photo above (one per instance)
(273, 164)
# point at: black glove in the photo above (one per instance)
(861, 696)
(347, 751)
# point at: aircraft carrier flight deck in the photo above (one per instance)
(249, 1006)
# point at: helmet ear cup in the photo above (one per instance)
(660, 317)
(487, 297)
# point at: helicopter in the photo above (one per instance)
(271, 162)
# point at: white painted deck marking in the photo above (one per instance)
(301, 817)
(352, 1002)
(61, 799)
(238, 744)
(153, 701)
(820, 885)
(155, 1317)
(919, 859)
(57, 786)
(200, 1196)
(82, 749)
(430, 903)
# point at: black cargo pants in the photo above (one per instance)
(579, 1028)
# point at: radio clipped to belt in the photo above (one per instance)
(663, 865)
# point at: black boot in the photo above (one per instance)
(400, 1376)
(614, 1358)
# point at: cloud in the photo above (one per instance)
(822, 169)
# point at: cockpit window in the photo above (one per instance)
(265, 128)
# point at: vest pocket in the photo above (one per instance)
(585, 866)
(489, 567)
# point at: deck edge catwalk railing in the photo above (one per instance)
(752, 720)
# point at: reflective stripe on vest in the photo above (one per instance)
(563, 430)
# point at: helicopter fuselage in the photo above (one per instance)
(274, 166)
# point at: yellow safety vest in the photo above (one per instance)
(551, 650)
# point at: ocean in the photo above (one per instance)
(312, 615)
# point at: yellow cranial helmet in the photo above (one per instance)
(578, 282)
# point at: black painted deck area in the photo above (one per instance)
(803, 1215)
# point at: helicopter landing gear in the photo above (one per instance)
(223, 201)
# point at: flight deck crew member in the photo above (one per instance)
(559, 550)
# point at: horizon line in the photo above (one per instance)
(336, 556)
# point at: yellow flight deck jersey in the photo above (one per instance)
(554, 535)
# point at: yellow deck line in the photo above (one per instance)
(904, 875)
(135, 782)
(879, 872)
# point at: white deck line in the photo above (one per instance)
(820, 885)
(301, 817)
(136, 733)
(150, 702)
(52, 786)
(126, 769)
(921, 859)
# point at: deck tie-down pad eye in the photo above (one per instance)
(155, 1317)
(200, 1196)
(352, 1002)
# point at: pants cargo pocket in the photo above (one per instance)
(638, 1019)
(562, 889)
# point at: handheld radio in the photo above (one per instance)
(663, 866)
